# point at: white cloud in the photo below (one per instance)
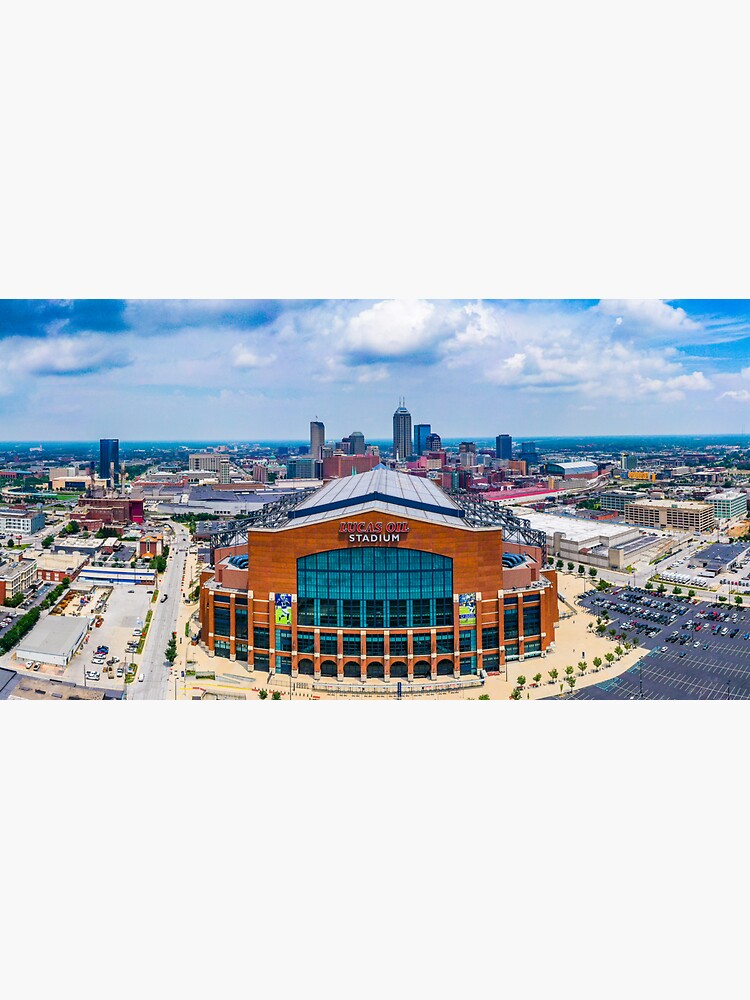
(74, 355)
(245, 357)
(392, 329)
(737, 395)
(652, 315)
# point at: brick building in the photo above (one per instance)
(381, 576)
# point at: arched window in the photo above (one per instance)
(398, 671)
(352, 669)
(306, 667)
(375, 671)
(445, 668)
(421, 669)
(328, 669)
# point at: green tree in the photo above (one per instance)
(569, 671)
(738, 599)
(691, 593)
(571, 682)
(559, 564)
(661, 589)
(618, 651)
(592, 572)
(722, 598)
(601, 629)
(677, 591)
(582, 666)
(611, 633)
(571, 567)
(11, 543)
(649, 586)
(515, 694)
(609, 657)
(597, 661)
(46, 542)
(483, 697)
(537, 678)
(263, 694)
(520, 681)
(73, 528)
(553, 674)
(276, 696)
(170, 653)
(581, 570)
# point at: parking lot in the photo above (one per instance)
(698, 651)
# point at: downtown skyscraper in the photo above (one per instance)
(402, 444)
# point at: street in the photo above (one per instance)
(153, 665)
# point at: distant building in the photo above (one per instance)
(205, 461)
(304, 467)
(684, 515)
(572, 470)
(317, 438)
(628, 462)
(16, 576)
(260, 473)
(433, 443)
(22, 521)
(53, 567)
(338, 466)
(402, 440)
(109, 460)
(616, 499)
(728, 504)
(356, 443)
(529, 453)
(504, 447)
(150, 545)
(421, 433)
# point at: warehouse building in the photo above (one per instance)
(602, 544)
(54, 639)
(379, 577)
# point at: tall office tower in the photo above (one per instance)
(401, 432)
(109, 459)
(356, 443)
(529, 453)
(224, 470)
(467, 448)
(317, 438)
(421, 433)
(504, 447)
(434, 442)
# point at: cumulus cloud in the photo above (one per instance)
(649, 315)
(245, 357)
(393, 329)
(736, 395)
(80, 355)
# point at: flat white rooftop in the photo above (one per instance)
(54, 636)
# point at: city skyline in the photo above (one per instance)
(258, 369)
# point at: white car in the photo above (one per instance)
(140, 678)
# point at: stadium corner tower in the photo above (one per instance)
(379, 577)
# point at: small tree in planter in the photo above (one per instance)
(537, 678)
(592, 572)
(553, 674)
(618, 651)
(609, 657)
(521, 682)
(597, 661)
(582, 666)
(263, 694)
(515, 694)
(571, 683)
(569, 671)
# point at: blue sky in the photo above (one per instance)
(262, 369)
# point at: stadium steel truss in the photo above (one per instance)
(477, 512)
(482, 513)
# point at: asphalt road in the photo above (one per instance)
(154, 667)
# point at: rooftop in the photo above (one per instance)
(52, 635)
